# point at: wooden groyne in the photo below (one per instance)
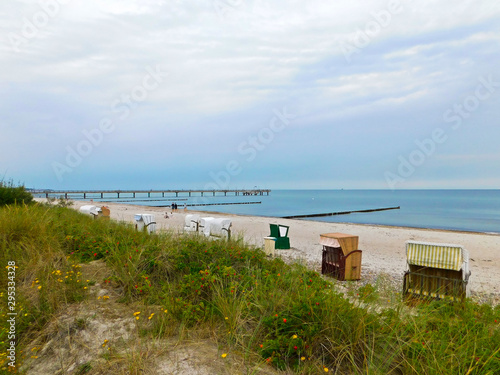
(340, 213)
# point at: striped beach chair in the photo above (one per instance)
(436, 271)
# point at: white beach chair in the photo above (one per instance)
(90, 210)
(437, 271)
(145, 222)
(220, 227)
(204, 226)
(191, 223)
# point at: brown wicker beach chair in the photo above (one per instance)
(341, 257)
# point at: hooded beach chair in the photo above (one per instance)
(191, 223)
(221, 228)
(341, 257)
(145, 222)
(204, 225)
(436, 271)
(280, 232)
(96, 212)
(93, 211)
(106, 212)
(215, 227)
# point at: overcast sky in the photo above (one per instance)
(242, 93)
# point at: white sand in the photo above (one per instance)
(383, 247)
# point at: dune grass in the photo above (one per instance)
(13, 194)
(263, 309)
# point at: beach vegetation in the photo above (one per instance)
(11, 193)
(272, 315)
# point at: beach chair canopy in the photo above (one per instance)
(437, 255)
(278, 230)
(346, 242)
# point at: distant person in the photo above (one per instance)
(166, 216)
(185, 207)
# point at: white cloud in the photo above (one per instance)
(233, 66)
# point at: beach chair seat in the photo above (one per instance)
(341, 257)
(280, 232)
(436, 271)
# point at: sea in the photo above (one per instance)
(462, 210)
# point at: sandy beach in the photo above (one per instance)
(383, 247)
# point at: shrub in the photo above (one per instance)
(10, 194)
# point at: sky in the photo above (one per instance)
(217, 94)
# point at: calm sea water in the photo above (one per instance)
(467, 210)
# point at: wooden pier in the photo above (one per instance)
(73, 194)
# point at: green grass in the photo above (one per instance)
(266, 310)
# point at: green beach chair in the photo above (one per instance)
(280, 232)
